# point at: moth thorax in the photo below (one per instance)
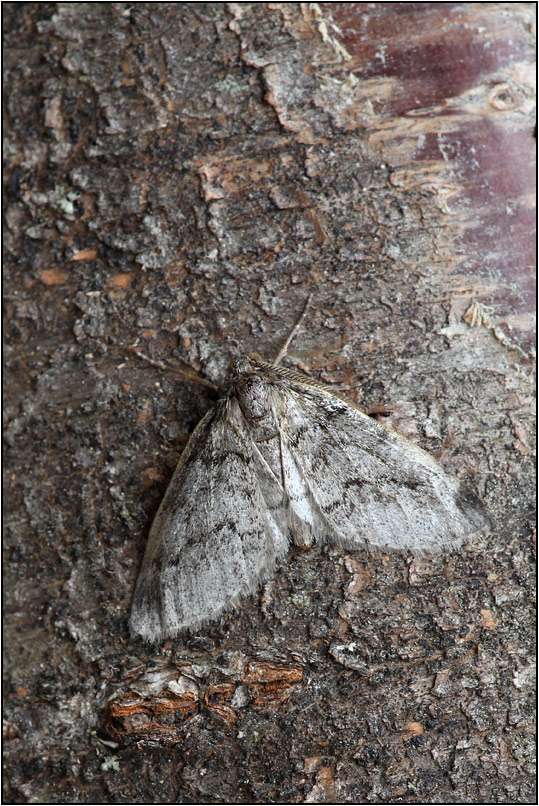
(252, 395)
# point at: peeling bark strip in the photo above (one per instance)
(159, 707)
(271, 684)
(179, 176)
(154, 719)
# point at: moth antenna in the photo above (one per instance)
(286, 345)
(191, 376)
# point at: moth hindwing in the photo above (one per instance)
(280, 458)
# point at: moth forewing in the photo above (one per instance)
(373, 486)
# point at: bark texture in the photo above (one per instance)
(181, 176)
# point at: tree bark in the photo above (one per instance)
(180, 176)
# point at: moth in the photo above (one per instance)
(281, 459)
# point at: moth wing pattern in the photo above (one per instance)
(368, 485)
(216, 535)
(282, 458)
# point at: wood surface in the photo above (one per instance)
(180, 177)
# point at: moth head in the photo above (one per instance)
(241, 367)
(247, 365)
